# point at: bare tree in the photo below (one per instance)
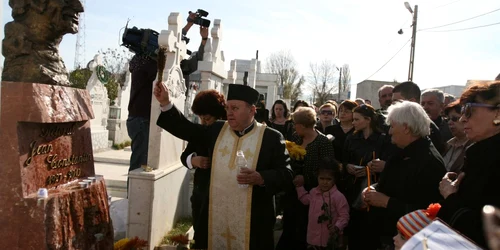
(284, 65)
(322, 79)
(345, 81)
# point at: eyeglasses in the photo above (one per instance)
(327, 112)
(453, 118)
(467, 108)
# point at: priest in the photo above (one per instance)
(239, 217)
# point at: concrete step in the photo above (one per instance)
(115, 176)
(114, 156)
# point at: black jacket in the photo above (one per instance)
(143, 72)
(479, 187)
(339, 138)
(437, 139)
(287, 129)
(411, 180)
(359, 151)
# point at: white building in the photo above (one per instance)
(368, 90)
(455, 90)
(265, 83)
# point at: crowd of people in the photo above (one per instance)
(364, 175)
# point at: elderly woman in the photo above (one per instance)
(411, 177)
(317, 148)
(477, 185)
(209, 106)
(455, 153)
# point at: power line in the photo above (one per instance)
(388, 60)
(470, 28)
(440, 26)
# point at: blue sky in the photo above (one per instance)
(362, 33)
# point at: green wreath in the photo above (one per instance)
(102, 74)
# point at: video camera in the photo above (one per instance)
(199, 20)
(145, 41)
(141, 41)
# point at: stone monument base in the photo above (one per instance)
(70, 218)
(46, 143)
(156, 200)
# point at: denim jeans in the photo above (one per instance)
(138, 131)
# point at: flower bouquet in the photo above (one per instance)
(130, 244)
(180, 240)
(296, 152)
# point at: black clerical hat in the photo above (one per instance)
(243, 93)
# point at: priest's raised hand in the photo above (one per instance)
(161, 93)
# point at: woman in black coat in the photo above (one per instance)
(209, 106)
(341, 130)
(466, 195)
(410, 179)
(365, 144)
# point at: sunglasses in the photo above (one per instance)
(327, 112)
(467, 108)
(453, 118)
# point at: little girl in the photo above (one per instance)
(328, 208)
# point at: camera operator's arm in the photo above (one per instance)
(190, 65)
(204, 37)
(190, 23)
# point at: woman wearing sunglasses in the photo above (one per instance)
(477, 185)
(455, 152)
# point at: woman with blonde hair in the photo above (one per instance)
(317, 148)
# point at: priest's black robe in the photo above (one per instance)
(272, 165)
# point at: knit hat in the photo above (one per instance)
(413, 222)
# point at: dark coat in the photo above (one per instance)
(479, 187)
(359, 151)
(437, 139)
(411, 180)
(272, 165)
(287, 129)
(444, 128)
(339, 139)
(199, 198)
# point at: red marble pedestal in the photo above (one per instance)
(46, 143)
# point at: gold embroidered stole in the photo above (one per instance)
(230, 206)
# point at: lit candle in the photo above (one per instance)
(368, 184)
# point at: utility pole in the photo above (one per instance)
(413, 40)
(340, 83)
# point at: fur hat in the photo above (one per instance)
(413, 222)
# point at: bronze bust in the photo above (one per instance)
(31, 43)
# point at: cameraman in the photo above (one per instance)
(144, 70)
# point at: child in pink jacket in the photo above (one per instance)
(328, 208)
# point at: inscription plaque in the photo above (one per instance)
(52, 154)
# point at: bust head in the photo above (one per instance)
(31, 41)
(53, 17)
